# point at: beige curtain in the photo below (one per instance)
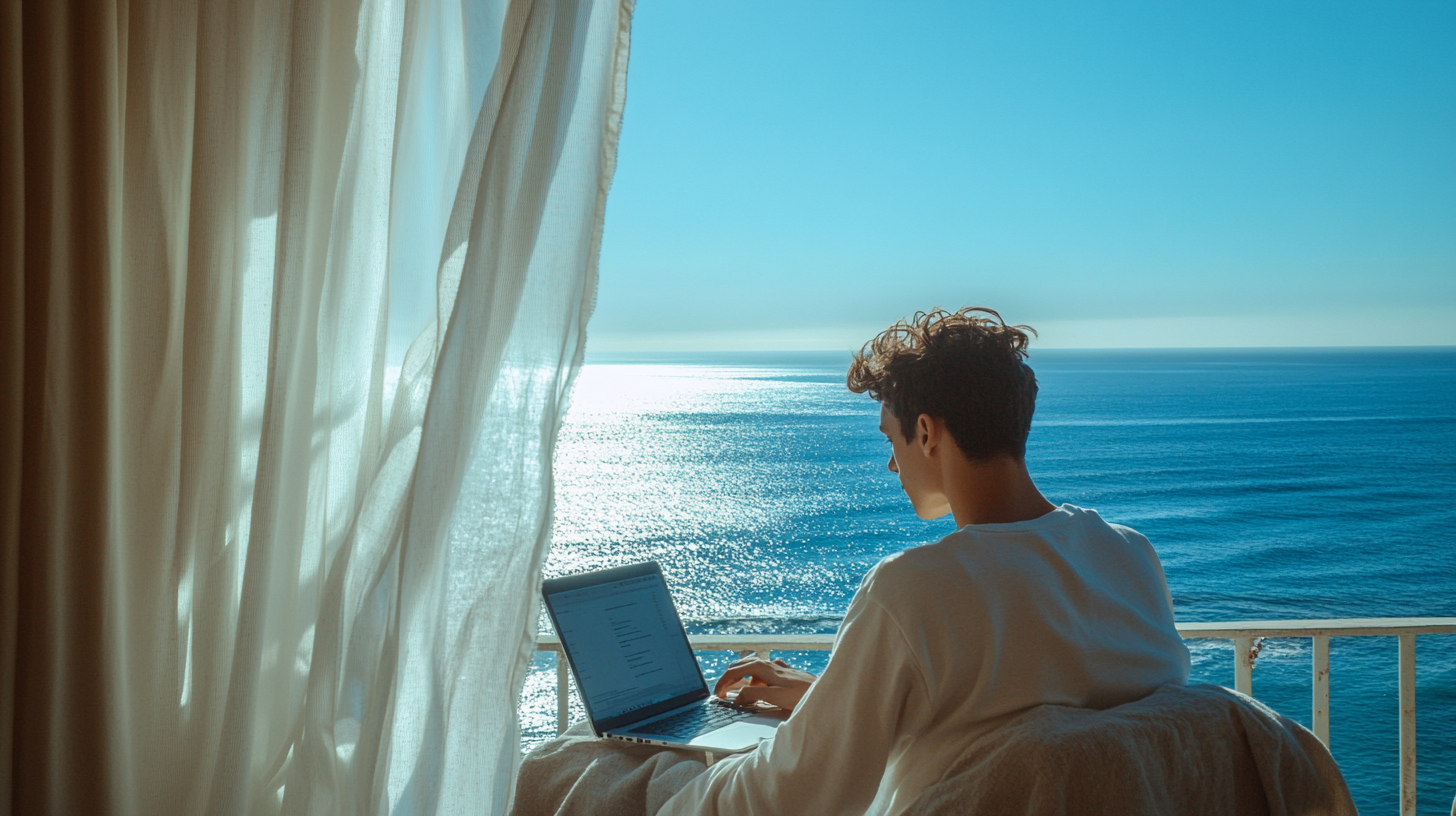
(249, 563)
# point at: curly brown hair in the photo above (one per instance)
(966, 368)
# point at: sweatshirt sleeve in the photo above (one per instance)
(831, 754)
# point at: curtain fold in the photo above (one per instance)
(247, 563)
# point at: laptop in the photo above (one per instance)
(636, 673)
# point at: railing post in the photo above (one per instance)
(1244, 665)
(1321, 684)
(1407, 725)
(563, 693)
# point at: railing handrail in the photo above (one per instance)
(1225, 630)
(1334, 627)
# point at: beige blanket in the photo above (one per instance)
(577, 774)
(1196, 749)
(1185, 749)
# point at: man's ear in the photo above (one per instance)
(927, 433)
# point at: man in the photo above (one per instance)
(1024, 604)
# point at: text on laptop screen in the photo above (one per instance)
(626, 645)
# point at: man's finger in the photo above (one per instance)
(756, 669)
(731, 687)
(731, 675)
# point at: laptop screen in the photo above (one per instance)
(626, 643)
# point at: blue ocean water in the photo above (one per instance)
(1273, 483)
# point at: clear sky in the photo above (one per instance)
(798, 175)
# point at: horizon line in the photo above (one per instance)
(1373, 347)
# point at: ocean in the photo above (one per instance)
(1274, 484)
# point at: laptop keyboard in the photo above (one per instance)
(694, 721)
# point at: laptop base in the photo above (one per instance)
(741, 735)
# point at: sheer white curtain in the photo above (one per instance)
(248, 564)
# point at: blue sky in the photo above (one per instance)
(798, 175)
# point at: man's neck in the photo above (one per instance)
(992, 491)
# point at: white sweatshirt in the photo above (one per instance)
(944, 642)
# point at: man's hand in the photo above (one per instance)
(772, 681)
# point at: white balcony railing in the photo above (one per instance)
(1248, 638)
